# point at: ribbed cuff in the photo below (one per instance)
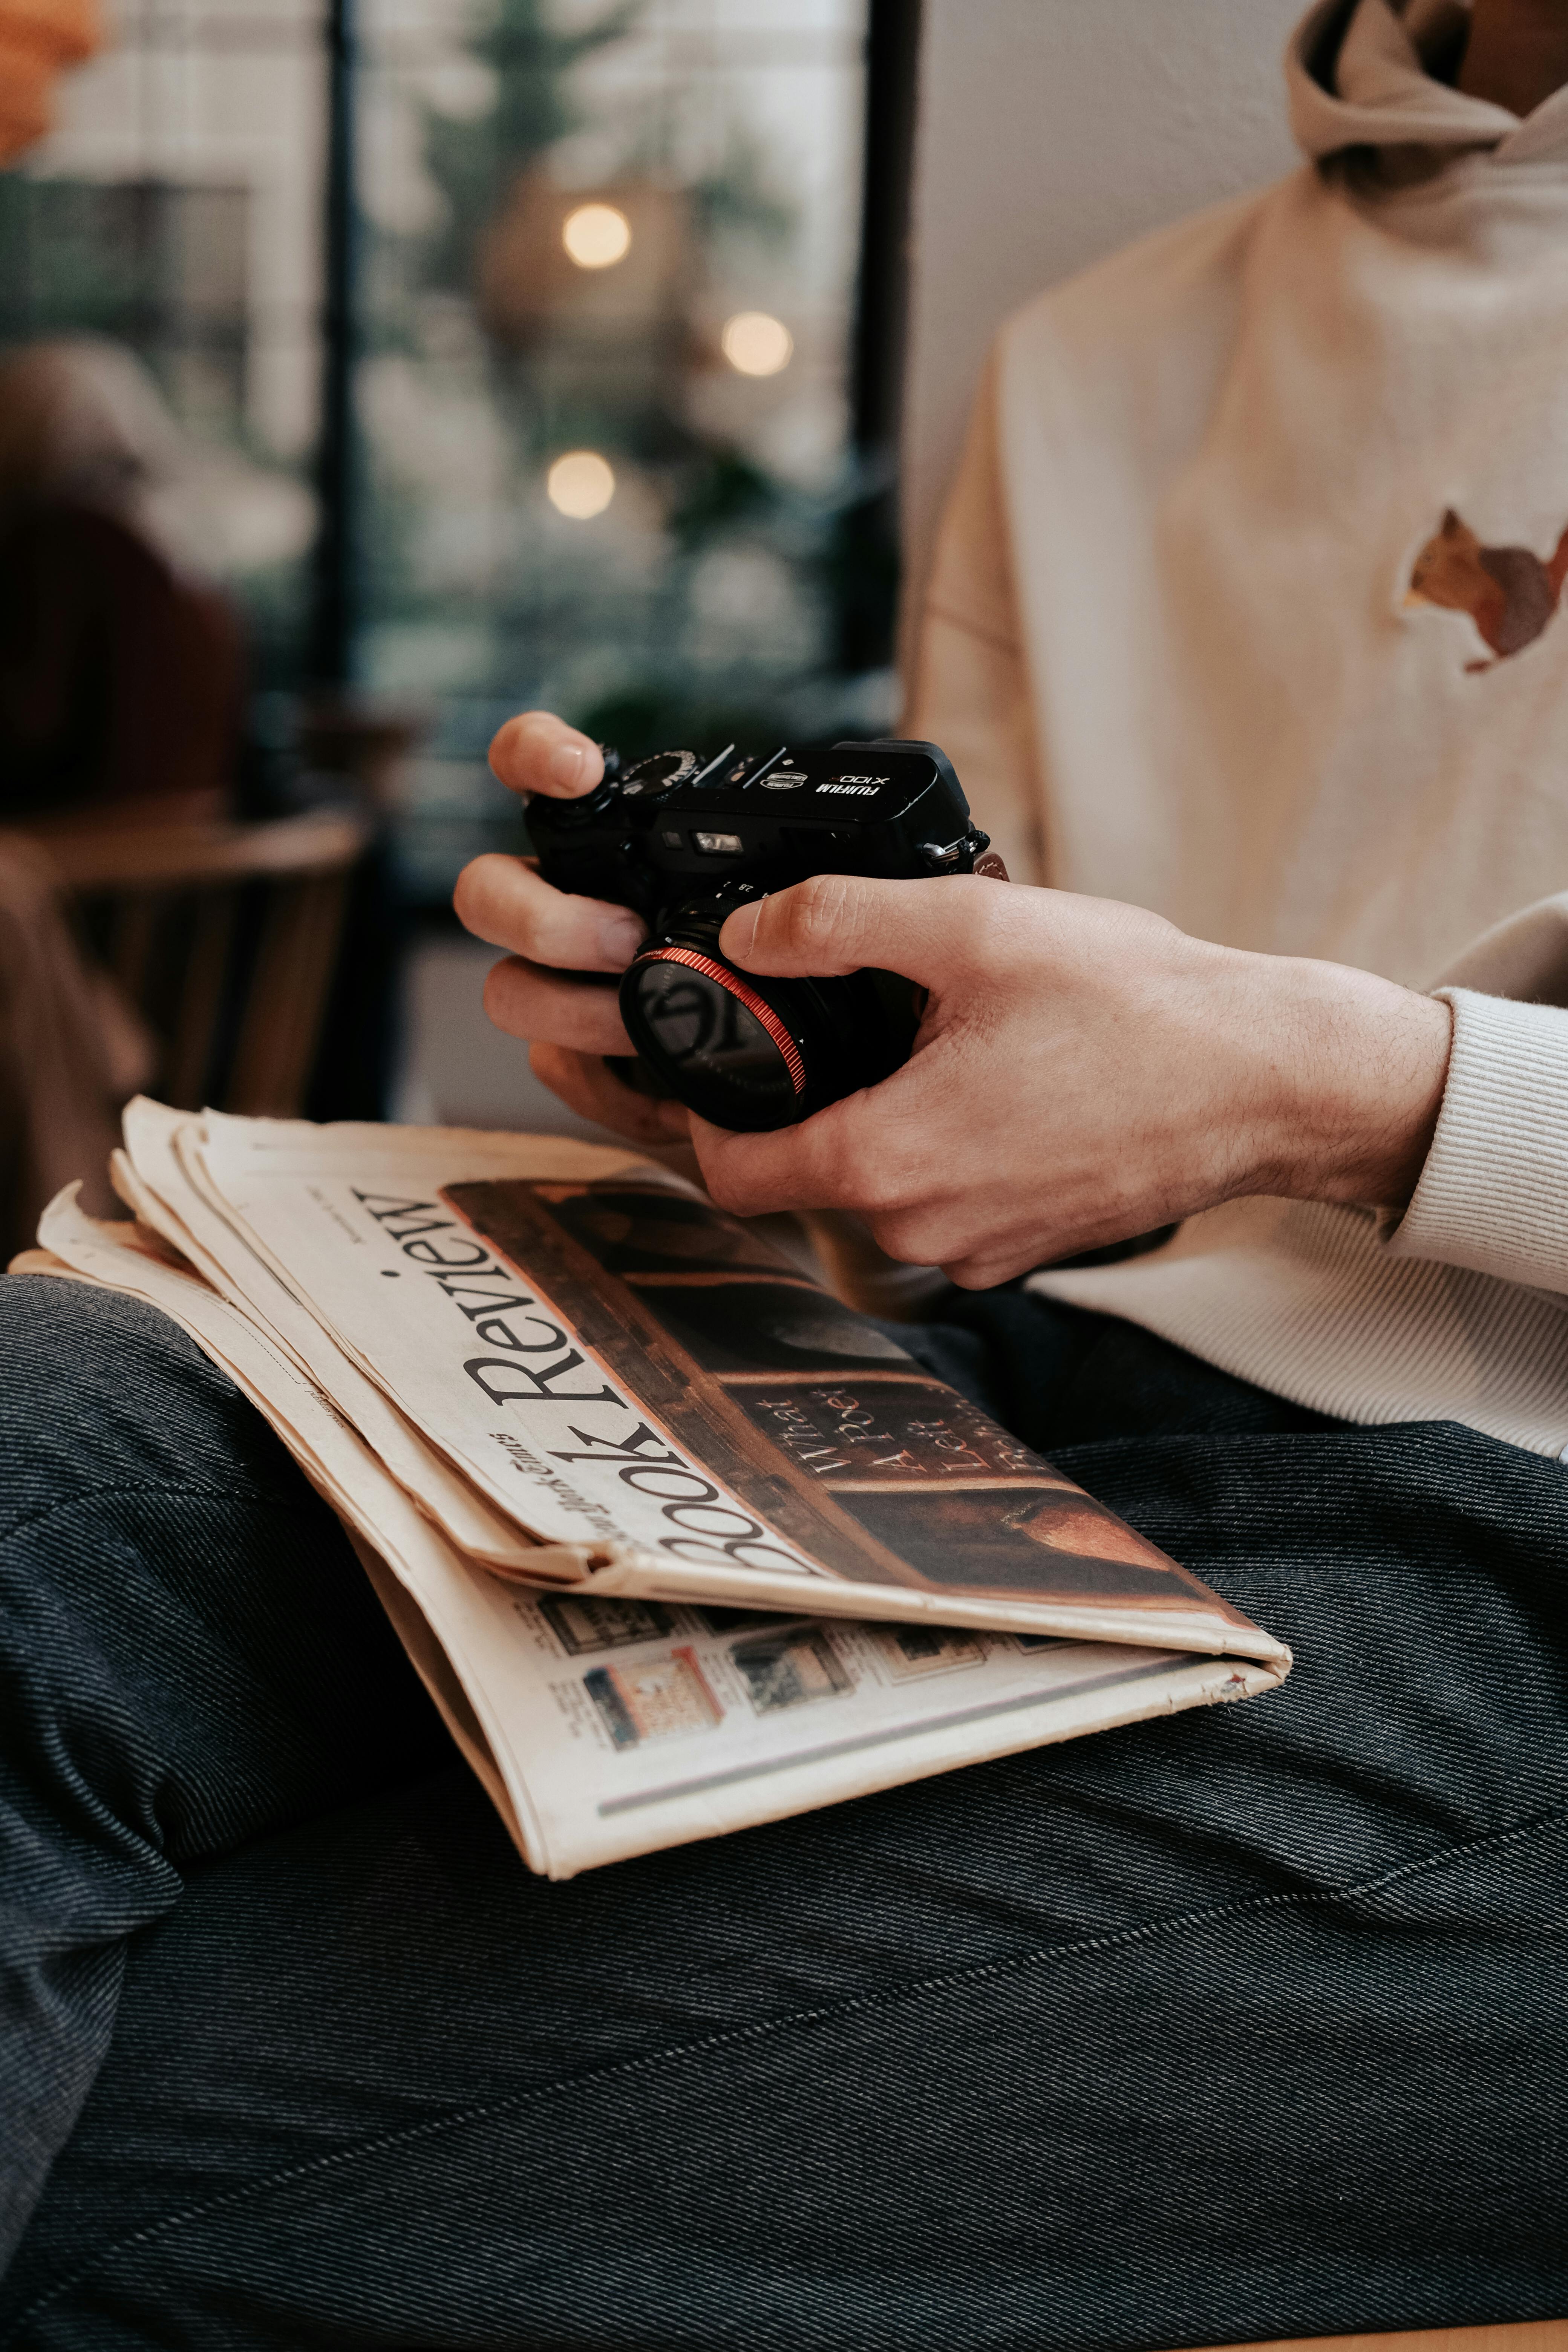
(1493, 1193)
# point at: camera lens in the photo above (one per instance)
(714, 1037)
(752, 1053)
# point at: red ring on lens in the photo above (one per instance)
(758, 1007)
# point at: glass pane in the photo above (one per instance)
(609, 275)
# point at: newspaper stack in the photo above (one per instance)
(676, 1542)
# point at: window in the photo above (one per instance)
(603, 280)
(607, 287)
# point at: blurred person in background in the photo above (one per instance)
(1244, 636)
(121, 669)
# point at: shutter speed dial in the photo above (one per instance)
(646, 781)
(658, 775)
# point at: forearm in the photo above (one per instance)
(1349, 1083)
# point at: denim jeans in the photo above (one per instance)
(1247, 2022)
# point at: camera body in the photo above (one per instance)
(685, 844)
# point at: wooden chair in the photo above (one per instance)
(223, 935)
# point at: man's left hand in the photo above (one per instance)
(1084, 1072)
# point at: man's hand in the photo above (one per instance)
(1084, 1072)
(539, 991)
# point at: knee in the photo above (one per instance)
(97, 1392)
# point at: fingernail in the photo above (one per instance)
(567, 762)
(620, 936)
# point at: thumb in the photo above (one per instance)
(837, 923)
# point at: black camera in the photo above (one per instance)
(685, 844)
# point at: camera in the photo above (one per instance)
(685, 843)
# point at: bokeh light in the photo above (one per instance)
(581, 484)
(755, 343)
(596, 235)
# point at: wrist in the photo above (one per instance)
(1358, 1065)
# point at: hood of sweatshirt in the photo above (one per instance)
(1372, 84)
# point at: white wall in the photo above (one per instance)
(1051, 131)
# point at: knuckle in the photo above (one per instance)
(725, 1182)
(582, 1081)
(503, 991)
(553, 1066)
(549, 929)
(505, 752)
(721, 1192)
(859, 1181)
(863, 1178)
(566, 933)
(819, 914)
(892, 1176)
(896, 1237)
(497, 899)
(567, 1076)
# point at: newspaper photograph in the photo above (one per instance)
(668, 1723)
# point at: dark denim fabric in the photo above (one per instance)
(1249, 2023)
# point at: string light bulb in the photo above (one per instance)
(596, 235)
(581, 484)
(756, 343)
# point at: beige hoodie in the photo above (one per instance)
(1246, 609)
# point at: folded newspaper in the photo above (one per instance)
(678, 1542)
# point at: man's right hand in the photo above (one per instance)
(540, 992)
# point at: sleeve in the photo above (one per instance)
(969, 688)
(1493, 1191)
